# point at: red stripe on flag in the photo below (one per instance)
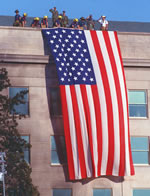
(88, 122)
(98, 125)
(130, 154)
(108, 102)
(67, 133)
(78, 131)
(120, 104)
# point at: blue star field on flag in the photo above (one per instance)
(72, 58)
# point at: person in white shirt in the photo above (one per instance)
(104, 23)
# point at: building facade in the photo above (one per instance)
(30, 66)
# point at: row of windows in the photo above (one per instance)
(96, 192)
(100, 192)
(139, 147)
(137, 102)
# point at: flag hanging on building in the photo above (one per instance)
(94, 102)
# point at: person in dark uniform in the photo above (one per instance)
(23, 20)
(74, 24)
(36, 22)
(17, 19)
(90, 23)
(54, 15)
(58, 22)
(82, 23)
(44, 22)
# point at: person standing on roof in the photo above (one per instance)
(54, 15)
(58, 22)
(23, 20)
(82, 23)
(17, 19)
(36, 22)
(44, 22)
(90, 23)
(74, 24)
(104, 23)
(65, 20)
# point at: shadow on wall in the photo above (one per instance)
(55, 113)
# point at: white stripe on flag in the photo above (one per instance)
(93, 126)
(102, 102)
(124, 101)
(86, 145)
(73, 133)
(114, 102)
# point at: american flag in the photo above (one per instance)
(94, 102)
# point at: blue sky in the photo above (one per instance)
(117, 10)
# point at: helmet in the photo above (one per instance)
(76, 20)
(36, 18)
(45, 17)
(25, 14)
(60, 16)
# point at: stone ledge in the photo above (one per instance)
(136, 62)
(45, 59)
(34, 59)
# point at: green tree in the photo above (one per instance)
(18, 181)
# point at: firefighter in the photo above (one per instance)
(74, 24)
(54, 15)
(65, 20)
(58, 22)
(36, 22)
(17, 19)
(44, 22)
(23, 20)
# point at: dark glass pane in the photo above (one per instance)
(21, 108)
(58, 149)
(55, 102)
(26, 150)
(61, 192)
(137, 110)
(54, 157)
(27, 155)
(102, 192)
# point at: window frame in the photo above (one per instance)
(51, 111)
(64, 188)
(29, 162)
(28, 103)
(148, 150)
(111, 191)
(140, 117)
(57, 164)
(140, 189)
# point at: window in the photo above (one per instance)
(139, 192)
(140, 150)
(21, 108)
(60, 192)
(137, 103)
(102, 192)
(58, 150)
(55, 102)
(26, 150)
(11, 192)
